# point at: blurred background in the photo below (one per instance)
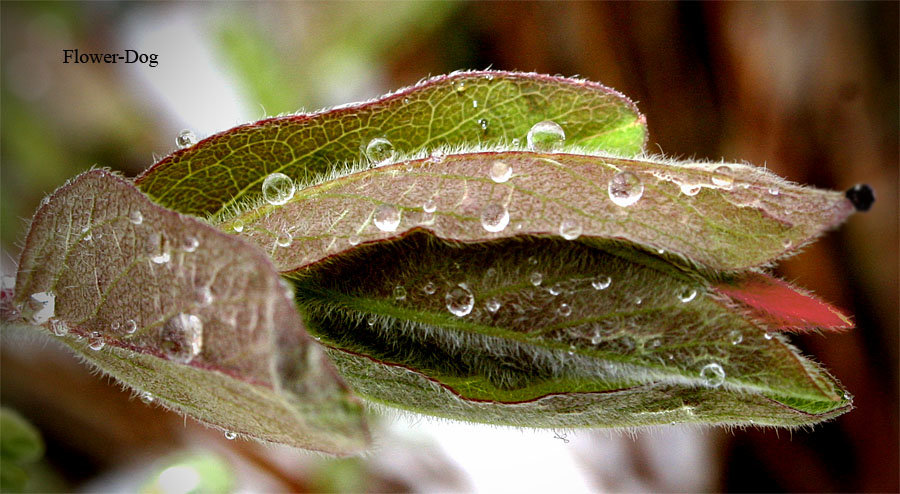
(808, 89)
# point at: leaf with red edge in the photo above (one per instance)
(172, 307)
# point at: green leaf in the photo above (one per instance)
(198, 319)
(553, 333)
(20, 442)
(469, 108)
(721, 217)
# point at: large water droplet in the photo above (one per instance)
(570, 229)
(230, 435)
(41, 307)
(769, 335)
(147, 397)
(494, 218)
(205, 296)
(687, 294)
(59, 327)
(625, 188)
(430, 206)
(387, 218)
(238, 226)
(160, 258)
(379, 150)
(399, 293)
(185, 139)
(723, 178)
(690, 189)
(136, 217)
(564, 309)
(354, 240)
(429, 288)
(278, 189)
(736, 337)
(95, 341)
(500, 172)
(546, 136)
(460, 86)
(284, 239)
(556, 289)
(130, 326)
(190, 244)
(181, 337)
(713, 375)
(492, 305)
(601, 282)
(459, 300)
(536, 278)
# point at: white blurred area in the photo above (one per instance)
(192, 88)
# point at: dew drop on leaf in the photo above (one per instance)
(494, 218)
(387, 218)
(161, 258)
(483, 123)
(354, 240)
(500, 172)
(713, 375)
(130, 326)
(147, 397)
(536, 278)
(492, 305)
(185, 139)
(41, 307)
(181, 337)
(625, 189)
(136, 217)
(284, 239)
(460, 86)
(430, 206)
(278, 189)
(773, 191)
(95, 341)
(556, 289)
(474, 103)
(690, 189)
(786, 243)
(59, 327)
(687, 295)
(399, 293)
(736, 337)
(769, 335)
(722, 177)
(564, 309)
(230, 435)
(429, 288)
(205, 296)
(191, 244)
(459, 300)
(570, 229)
(379, 150)
(601, 282)
(545, 136)
(238, 226)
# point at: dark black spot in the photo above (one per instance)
(862, 196)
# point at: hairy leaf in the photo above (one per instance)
(469, 108)
(553, 333)
(171, 307)
(722, 217)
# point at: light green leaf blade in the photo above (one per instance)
(172, 307)
(464, 109)
(721, 217)
(553, 333)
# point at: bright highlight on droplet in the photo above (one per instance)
(278, 189)
(387, 218)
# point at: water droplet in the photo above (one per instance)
(370, 320)
(653, 344)
(205, 296)
(399, 293)
(638, 301)
(41, 307)
(147, 397)
(474, 103)
(238, 226)
(185, 139)
(405, 101)
(687, 295)
(564, 310)
(161, 258)
(190, 244)
(536, 278)
(596, 338)
(713, 375)
(59, 327)
(115, 325)
(284, 239)
(387, 218)
(87, 234)
(483, 123)
(500, 172)
(690, 189)
(430, 206)
(437, 156)
(533, 261)
(494, 218)
(774, 191)
(786, 243)
(380, 150)
(354, 240)
(181, 337)
(278, 189)
(136, 217)
(545, 136)
(230, 435)
(570, 229)
(95, 341)
(736, 337)
(516, 141)
(459, 300)
(130, 326)
(625, 188)
(601, 282)
(769, 335)
(429, 288)
(556, 289)
(722, 177)
(460, 86)
(492, 305)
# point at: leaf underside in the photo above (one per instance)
(473, 108)
(123, 269)
(626, 355)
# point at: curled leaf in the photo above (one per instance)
(552, 333)
(467, 108)
(690, 210)
(194, 319)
